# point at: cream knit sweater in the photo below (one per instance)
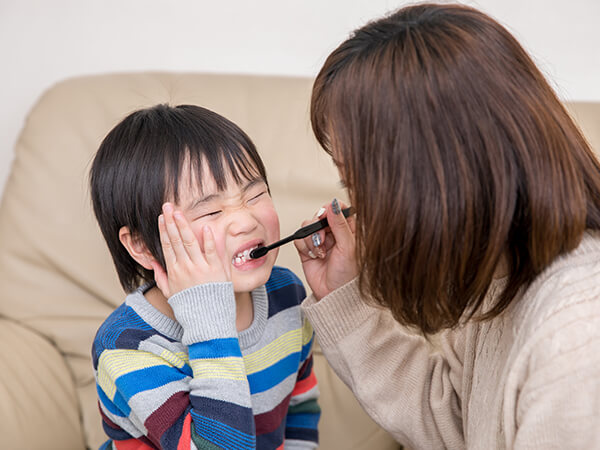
(528, 379)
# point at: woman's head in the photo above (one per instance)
(456, 153)
(158, 154)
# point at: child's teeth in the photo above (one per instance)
(242, 256)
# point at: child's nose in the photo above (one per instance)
(242, 221)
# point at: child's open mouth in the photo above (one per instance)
(243, 257)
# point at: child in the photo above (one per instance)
(209, 349)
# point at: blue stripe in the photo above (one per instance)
(303, 420)
(221, 434)
(275, 374)
(306, 349)
(215, 348)
(108, 403)
(145, 379)
(281, 277)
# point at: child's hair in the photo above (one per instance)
(455, 151)
(139, 166)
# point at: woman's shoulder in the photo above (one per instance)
(564, 299)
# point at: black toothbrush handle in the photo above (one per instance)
(299, 234)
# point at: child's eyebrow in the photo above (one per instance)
(211, 197)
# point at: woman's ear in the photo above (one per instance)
(136, 248)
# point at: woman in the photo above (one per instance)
(478, 210)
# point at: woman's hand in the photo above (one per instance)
(187, 263)
(329, 261)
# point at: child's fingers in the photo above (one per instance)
(188, 238)
(210, 248)
(165, 242)
(212, 257)
(174, 234)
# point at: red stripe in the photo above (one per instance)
(280, 447)
(131, 444)
(306, 384)
(186, 434)
(271, 420)
(166, 415)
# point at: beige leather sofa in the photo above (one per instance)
(57, 279)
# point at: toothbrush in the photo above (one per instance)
(299, 234)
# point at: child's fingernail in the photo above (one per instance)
(320, 212)
(335, 206)
(316, 239)
(311, 254)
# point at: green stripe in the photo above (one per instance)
(309, 406)
(201, 443)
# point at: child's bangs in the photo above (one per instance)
(229, 158)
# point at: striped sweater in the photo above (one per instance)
(197, 382)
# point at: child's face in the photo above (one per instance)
(241, 217)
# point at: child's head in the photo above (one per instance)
(201, 162)
(456, 153)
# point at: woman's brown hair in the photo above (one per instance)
(457, 154)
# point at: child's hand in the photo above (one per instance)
(187, 264)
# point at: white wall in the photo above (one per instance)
(44, 41)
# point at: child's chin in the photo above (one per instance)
(246, 281)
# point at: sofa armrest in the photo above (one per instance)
(35, 383)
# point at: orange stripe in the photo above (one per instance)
(280, 447)
(186, 434)
(306, 384)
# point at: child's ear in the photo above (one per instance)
(136, 248)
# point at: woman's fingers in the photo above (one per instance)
(341, 230)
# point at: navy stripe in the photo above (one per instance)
(173, 433)
(302, 434)
(305, 369)
(285, 297)
(230, 414)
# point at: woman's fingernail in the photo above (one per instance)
(335, 206)
(320, 212)
(311, 254)
(161, 219)
(316, 239)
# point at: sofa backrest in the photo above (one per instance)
(56, 274)
(57, 277)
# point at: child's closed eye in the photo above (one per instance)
(255, 197)
(208, 214)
